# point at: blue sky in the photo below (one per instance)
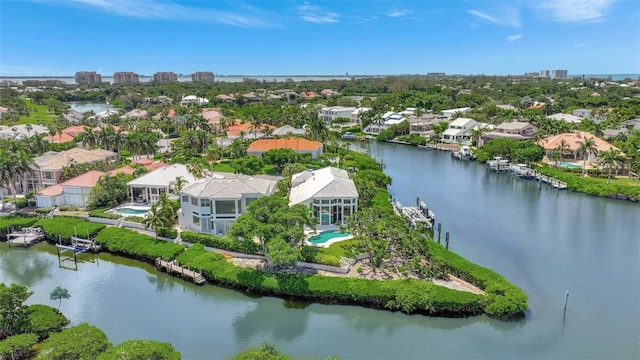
(286, 37)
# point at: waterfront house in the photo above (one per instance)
(583, 113)
(573, 140)
(149, 187)
(288, 130)
(330, 113)
(74, 191)
(73, 116)
(297, 144)
(135, 113)
(213, 204)
(329, 192)
(516, 130)
(48, 167)
(459, 131)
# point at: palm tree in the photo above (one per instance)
(196, 169)
(610, 158)
(178, 184)
(154, 218)
(586, 147)
(561, 150)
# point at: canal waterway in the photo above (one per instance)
(545, 241)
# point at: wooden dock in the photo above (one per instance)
(173, 268)
(525, 172)
(27, 237)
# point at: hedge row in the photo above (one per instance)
(409, 295)
(102, 213)
(242, 246)
(139, 246)
(63, 227)
(596, 187)
(18, 222)
(503, 300)
(167, 232)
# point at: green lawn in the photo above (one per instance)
(39, 116)
(224, 167)
(381, 200)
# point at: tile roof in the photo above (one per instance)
(88, 179)
(75, 130)
(573, 139)
(59, 138)
(55, 161)
(234, 130)
(232, 186)
(162, 177)
(293, 143)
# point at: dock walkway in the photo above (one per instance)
(27, 237)
(173, 268)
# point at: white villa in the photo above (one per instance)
(330, 193)
(568, 118)
(330, 113)
(449, 113)
(148, 187)
(192, 99)
(459, 131)
(212, 205)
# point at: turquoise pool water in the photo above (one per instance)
(131, 211)
(569, 165)
(326, 236)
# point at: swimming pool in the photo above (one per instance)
(325, 236)
(569, 165)
(132, 210)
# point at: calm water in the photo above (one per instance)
(545, 241)
(83, 106)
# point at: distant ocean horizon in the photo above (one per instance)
(295, 78)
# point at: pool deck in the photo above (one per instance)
(310, 232)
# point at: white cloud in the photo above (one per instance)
(579, 45)
(512, 38)
(313, 14)
(576, 11)
(509, 16)
(168, 10)
(397, 13)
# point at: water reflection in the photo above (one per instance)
(26, 270)
(260, 323)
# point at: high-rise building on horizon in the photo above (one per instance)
(164, 77)
(202, 76)
(559, 74)
(88, 78)
(125, 77)
(544, 73)
(531, 74)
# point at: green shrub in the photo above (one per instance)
(313, 255)
(17, 222)
(243, 246)
(81, 342)
(44, 320)
(64, 227)
(18, 346)
(44, 210)
(379, 294)
(503, 300)
(102, 213)
(141, 350)
(167, 232)
(135, 219)
(68, 208)
(139, 246)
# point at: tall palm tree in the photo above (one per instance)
(178, 184)
(611, 158)
(196, 169)
(586, 147)
(561, 150)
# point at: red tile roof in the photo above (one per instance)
(74, 130)
(60, 138)
(293, 143)
(234, 130)
(573, 139)
(88, 179)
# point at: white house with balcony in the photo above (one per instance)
(329, 192)
(459, 131)
(330, 113)
(212, 205)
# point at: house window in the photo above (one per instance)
(194, 201)
(346, 201)
(185, 198)
(47, 175)
(249, 200)
(225, 207)
(205, 202)
(196, 220)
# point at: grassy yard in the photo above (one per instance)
(39, 115)
(224, 167)
(381, 200)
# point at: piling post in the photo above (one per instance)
(540, 182)
(439, 228)
(446, 239)
(417, 201)
(566, 298)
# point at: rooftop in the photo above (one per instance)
(293, 143)
(328, 182)
(231, 186)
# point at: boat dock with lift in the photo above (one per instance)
(26, 237)
(523, 171)
(418, 214)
